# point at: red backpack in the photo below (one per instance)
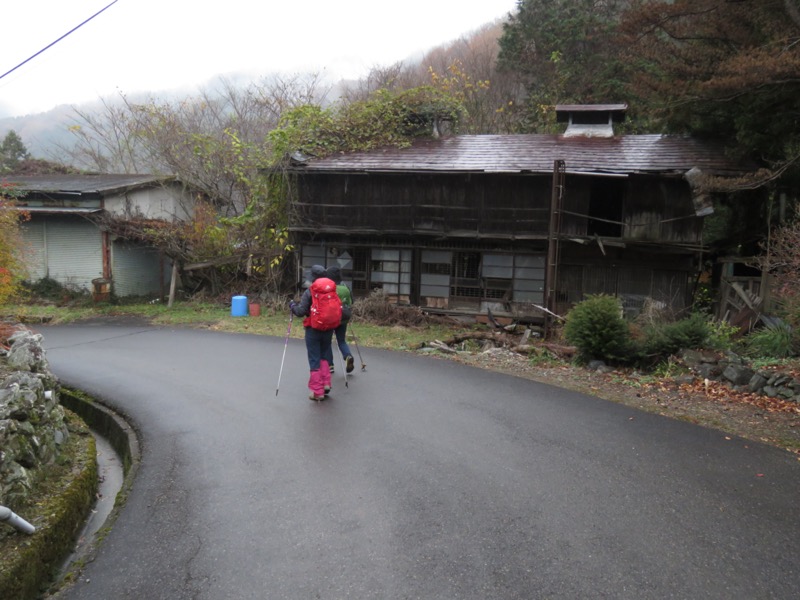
(326, 308)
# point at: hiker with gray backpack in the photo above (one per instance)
(322, 309)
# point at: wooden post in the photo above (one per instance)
(173, 284)
(553, 234)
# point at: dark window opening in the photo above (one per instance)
(466, 264)
(465, 282)
(743, 270)
(496, 292)
(435, 268)
(590, 118)
(465, 292)
(605, 207)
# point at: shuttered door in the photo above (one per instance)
(529, 278)
(74, 251)
(136, 270)
(34, 251)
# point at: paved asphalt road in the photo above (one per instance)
(424, 479)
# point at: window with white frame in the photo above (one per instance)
(390, 270)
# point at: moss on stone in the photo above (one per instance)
(63, 496)
(106, 423)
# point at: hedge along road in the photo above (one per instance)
(423, 479)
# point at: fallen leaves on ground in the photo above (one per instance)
(719, 392)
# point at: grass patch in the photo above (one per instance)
(218, 318)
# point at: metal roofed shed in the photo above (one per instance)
(67, 239)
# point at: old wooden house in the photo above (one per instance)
(511, 223)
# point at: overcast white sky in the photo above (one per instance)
(163, 45)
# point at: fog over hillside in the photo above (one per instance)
(44, 133)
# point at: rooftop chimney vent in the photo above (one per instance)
(590, 120)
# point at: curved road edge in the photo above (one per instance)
(122, 437)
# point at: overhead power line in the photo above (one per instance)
(58, 40)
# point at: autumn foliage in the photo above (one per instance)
(781, 258)
(725, 69)
(11, 263)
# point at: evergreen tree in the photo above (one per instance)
(12, 152)
(567, 51)
(727, 70)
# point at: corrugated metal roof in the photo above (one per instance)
(82, 184)
(626, 154)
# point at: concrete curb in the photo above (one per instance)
(51, 546)
(125, 442)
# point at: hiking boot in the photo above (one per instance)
(350, 364)
(316, 398)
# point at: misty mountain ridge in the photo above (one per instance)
(46, 133)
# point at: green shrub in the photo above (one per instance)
(666, 339)
(596, 328)
(703, 300)
(721, 335)
(773, 341)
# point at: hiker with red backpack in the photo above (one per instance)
(322, 309)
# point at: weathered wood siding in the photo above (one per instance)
(575, 206)
(661, 209)
(631, 275)
(457, 205)
(640, 208)
(448, 231)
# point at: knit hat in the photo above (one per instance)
(335, 273)
(318, 271)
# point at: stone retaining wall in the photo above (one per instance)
(33, 432)
(32, 424)
(734, 371)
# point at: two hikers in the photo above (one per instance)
(322, 309)
(326, 307)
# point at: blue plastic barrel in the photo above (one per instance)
(239, 306)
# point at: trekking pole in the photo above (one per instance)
(285, 345)
(355, 339)
(344, 368)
